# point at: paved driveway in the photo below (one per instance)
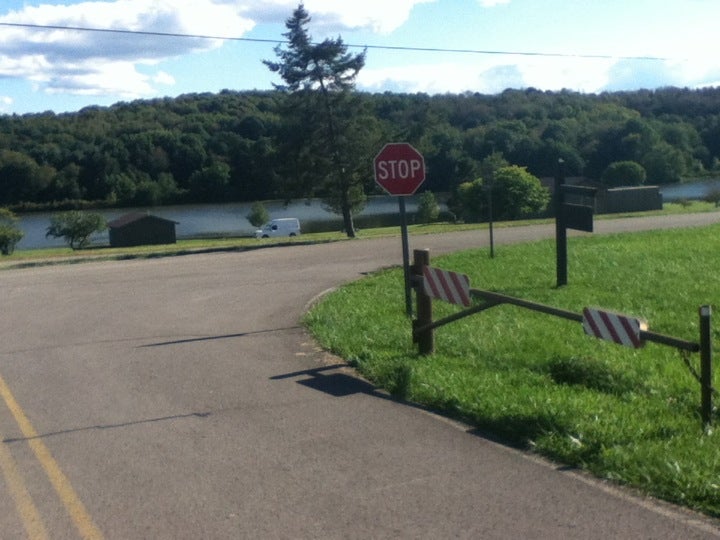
(179, 398)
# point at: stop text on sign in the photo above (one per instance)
(398, 169)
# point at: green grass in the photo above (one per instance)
(536, 381)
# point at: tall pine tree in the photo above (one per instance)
(321, 137)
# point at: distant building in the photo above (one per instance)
(613, 200)
(139, 229)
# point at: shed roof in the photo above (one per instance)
(132, 217)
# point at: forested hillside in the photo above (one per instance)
(224, 147)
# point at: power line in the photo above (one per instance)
(134, 32)
(356, 46)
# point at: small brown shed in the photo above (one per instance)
(140, 229)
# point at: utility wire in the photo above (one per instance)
(375, 47)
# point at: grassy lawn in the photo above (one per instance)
(538, 382)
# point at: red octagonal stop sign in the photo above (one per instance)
(399, 169)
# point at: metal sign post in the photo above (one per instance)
(405, 256)
(400, 170)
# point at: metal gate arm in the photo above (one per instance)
(534, 306)
(454, 317)
(646, 335)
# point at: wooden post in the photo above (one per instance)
(424, 339)
(706, 365)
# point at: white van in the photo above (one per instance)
(279, 227)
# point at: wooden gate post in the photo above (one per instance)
(424, 338)
(706, 382)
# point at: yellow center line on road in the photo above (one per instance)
(73, 505)
(33, 523)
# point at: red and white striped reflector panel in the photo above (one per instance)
(449, 286)
(614, 327)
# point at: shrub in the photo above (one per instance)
(713, 197)
(469, 201)
(76, 227)
(10, 234)
(517, 194)
(624, 173)
(428, 208)
(258, 215)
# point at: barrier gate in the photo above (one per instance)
(452, 287)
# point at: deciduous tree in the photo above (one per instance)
(258, 214)
(518, 194)
(76, 227)
(515, 194)
(624, 173)
(428, 208)
(10, 233)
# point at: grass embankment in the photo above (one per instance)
(536, 381)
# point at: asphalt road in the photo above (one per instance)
(180, 398)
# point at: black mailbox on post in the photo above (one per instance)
(577, 216)
(570, 215)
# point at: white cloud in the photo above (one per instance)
(5, 103)
(554, 73)
(104, 63)
(163, 78)
(380, 16)
(333, 16)
(653, 74)
(428, 78)
(182, 16)
(118, 78)
(493, 3)
(492, 75)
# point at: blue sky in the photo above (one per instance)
(583, 45)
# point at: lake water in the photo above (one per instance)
(203, 220)
(694, 191)
(229, 219)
